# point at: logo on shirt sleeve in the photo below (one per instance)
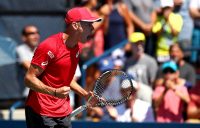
(50, 54)
(77, 54)
(44, 63)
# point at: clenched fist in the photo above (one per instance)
(62, 92)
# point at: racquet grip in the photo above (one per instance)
(78, 110)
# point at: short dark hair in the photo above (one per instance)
(176, 44)
(23, 32)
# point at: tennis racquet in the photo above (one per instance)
(112, 88)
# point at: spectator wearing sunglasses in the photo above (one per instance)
(169, 98)
(30, 38)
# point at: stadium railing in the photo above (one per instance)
(96, 59)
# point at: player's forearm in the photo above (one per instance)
(35, 84)
(78, 89)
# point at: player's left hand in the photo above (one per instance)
(92, 100)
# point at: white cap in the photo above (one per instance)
(118, 62)
(118, 53)
(118, 57)
(166, 3)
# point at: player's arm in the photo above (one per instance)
(83, 93)
(32, 81)
(78, 89)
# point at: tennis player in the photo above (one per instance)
(50, 76)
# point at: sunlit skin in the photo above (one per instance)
(86, 30)
(79, 32)
(76, 32)
(176, 53)
(32, 36)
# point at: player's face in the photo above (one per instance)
(32, 36)
(86, 31)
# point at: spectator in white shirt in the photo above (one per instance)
(30, 38)
(25, 51)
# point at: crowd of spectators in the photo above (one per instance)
(157, 55)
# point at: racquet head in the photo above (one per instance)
(113, 87)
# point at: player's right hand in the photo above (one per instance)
(62, 92)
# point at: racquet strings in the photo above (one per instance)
(114, 87)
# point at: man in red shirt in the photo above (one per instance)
(50, 76)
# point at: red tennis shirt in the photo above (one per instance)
(59, 64)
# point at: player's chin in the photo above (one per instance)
(89, 37)
(84, 40)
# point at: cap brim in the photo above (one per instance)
(93, 19)
(169, 67)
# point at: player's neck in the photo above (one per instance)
(69, 41)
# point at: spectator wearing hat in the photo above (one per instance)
(169, 98)
(167, 28)
(187, 72)
(140, 66)
(118, 58)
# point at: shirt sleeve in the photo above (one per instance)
(158, 91)
(77, 72)
(44, 54)
(20, 55)
(23, 54)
